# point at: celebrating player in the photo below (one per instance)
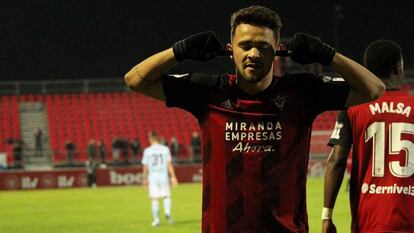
(255, 127)
(382, 135)
(157, 165)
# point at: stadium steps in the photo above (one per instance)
(33, 117)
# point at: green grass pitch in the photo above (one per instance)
(127, 210)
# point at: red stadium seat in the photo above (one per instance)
(103, 116)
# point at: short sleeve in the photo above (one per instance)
(144, 160)
(342, 133)
(189, 91)
(168, 154)
(324, 93)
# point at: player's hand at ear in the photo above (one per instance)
(328, 226)
(306, 49)
(202, 47)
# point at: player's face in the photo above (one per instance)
(253, 51)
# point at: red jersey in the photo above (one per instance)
(255, 148)
(382, 180)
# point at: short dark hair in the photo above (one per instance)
(153, 135)
(258, 16)
(381, 56)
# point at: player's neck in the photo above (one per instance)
(253, 88)
(391, 84)
(154, 142)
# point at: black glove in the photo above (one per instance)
(306, 49)
(202, 47)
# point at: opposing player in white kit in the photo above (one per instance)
(158, 171)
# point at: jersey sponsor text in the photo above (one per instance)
(247, 132)
(388, 189)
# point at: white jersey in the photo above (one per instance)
(156, 157)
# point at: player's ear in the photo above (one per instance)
(229, 47)
(397, 69)
(280, 46)
(399, 72)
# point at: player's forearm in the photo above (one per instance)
(333, 180)
(334, 175)
(360, 79)
(150, 70)
(171, 171)
(145, 173)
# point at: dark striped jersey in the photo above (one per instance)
(381, 134)
(255, 148)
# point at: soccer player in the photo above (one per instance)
(255, 127)
(381, 134)
(158, 172)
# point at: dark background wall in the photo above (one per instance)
(97, 39)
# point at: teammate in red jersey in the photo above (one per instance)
(382, 136)
(255, 127)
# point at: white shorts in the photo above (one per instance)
(159, 190)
